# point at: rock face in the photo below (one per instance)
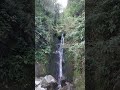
(39, 69)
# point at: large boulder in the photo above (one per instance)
(45, 83)
(49, 82)
(38, 81)
(38, 84)
(40, 88)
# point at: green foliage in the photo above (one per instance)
(16, 42)
(72, 22)
(75, 7)
(44, 22)
(102, 31)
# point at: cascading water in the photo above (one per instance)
(61, 60)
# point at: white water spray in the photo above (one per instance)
(61, 60)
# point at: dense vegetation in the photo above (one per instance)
(45, 20)
(72, 23)
(43, 26)
(16, 44)
(19, 42)
(49, 24)
(102, 42)
(102, 45)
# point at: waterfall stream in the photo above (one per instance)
(60, 61)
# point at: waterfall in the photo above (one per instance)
(61, 60)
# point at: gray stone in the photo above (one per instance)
(45, 83)
(39, 69)
(47, 80)
(40, 88)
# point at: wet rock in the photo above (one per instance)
(45, 83)
(68, 86)
(63, 81)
